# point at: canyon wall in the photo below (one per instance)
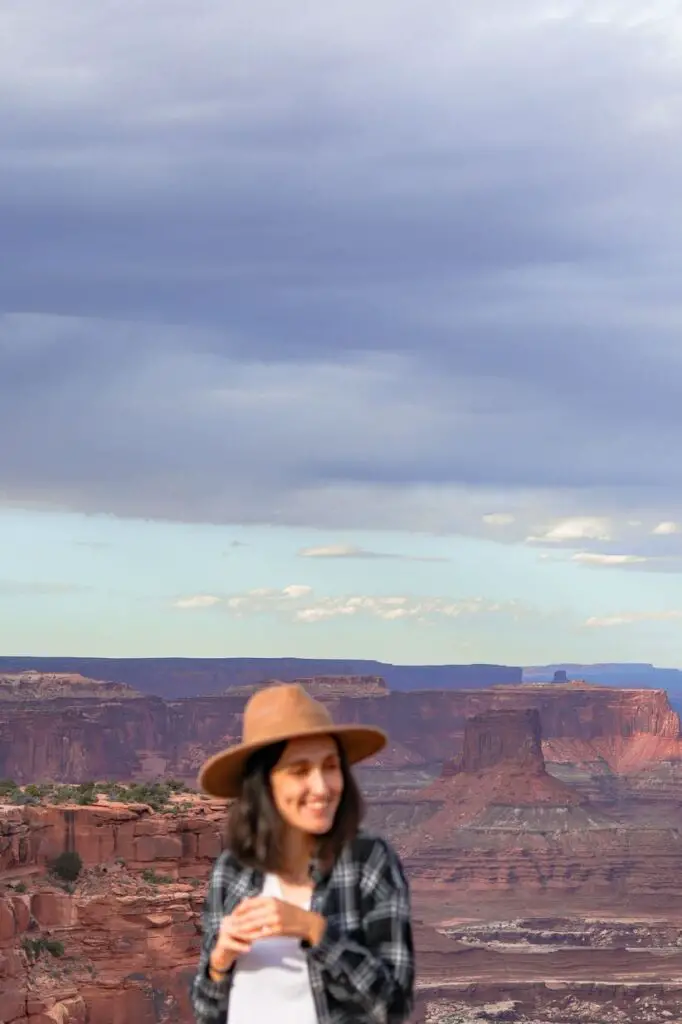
(120, 943)
(74, 740)
(497, 822)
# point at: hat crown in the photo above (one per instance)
(282, 709)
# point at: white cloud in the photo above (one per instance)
(333, 551)
(630, 618)
(197, 601)
(300, 604)
(353, 551)
(297, 590)
(498, 518)
(594, 558)
(666, 528)
(577, 528)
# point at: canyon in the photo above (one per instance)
(539, 825)
(590, 733)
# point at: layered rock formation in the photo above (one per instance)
(499, 782)
(501, 766)
(553, 971)
(118, 945)
(596, 728)
(34, 686)
(497, 822)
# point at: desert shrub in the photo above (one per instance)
(23, 799)
(149, 875)
(176, 786)
(68, 865)
(34, 947)
(156, 794)
(64, 794)
(86, 793)
(7, 787)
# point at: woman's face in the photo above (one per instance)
(307, 783)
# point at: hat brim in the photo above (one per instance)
(221, 775)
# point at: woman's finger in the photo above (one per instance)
(237, 934)
(258, 928)
(250, 904)
(237, 945)
(258, 915)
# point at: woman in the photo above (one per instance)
(307, 918)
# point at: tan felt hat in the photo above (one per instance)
(275, 714)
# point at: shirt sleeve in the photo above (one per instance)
(377, 974)
(209, 998)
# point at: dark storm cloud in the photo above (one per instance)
(394, 266)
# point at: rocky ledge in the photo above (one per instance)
(25, 686)
(119, 941)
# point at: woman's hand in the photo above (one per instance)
(232, 941)
(264, 917)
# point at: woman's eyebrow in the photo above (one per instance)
(307, 762)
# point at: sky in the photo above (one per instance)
(346, 330)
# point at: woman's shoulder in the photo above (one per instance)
(227, 869)
(375, 865)
(373, 851)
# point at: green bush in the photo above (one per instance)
(22, 799)
(68, 865)
(34, 947)
(176, 786)
(149, 875)
(156, 794)
(87, 793)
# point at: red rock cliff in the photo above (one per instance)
(496, 821)
(497, 737)
(501, 765)
(126, 939)
(67, 739)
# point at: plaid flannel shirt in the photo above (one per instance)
(362, 971)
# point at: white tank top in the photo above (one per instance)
(271, 981)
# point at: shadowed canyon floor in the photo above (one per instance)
(540, 827)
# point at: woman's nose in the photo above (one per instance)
(318, 783)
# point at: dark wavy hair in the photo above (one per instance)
(255, 830)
